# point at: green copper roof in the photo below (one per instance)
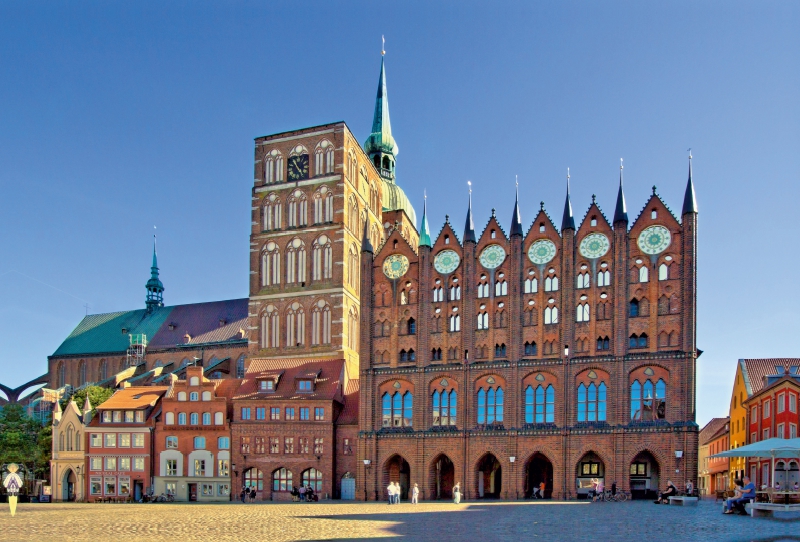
(102, 333)
(381, 140)
(424, 233)
(394, 198)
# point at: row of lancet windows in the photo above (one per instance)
(648, 402)
(296, 262)
(275, 164)
(294, 332)
(296, 209)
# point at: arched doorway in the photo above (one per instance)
(539, 470)
(253, 477)
(398, 470)
(68, 486)
(644, 473)
(442, 478)
(589, 468)
(490, 477)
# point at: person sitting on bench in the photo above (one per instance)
(748, 495)
(671, 491)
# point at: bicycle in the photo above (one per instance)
(619, 496)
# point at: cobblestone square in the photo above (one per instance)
(336, 520)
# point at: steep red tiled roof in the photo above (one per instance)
(201, 321)
(711, 429)
(756, 369)
(329, 374)
(227, 387)
(349, 415)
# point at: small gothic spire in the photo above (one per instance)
(469, 227)
(424, 233)
(366, 245)
(621, 212)
(568, 220)
(154, 286)
(516, 221)
(689, 200)
(57, 411)
(541, 206)
(380, 146)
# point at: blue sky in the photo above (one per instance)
(118, 116)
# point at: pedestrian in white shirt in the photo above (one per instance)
(415, 495)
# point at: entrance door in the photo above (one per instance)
(348, 489)
(138, 490)
(68, 486)
(192, 492)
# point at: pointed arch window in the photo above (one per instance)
(584, 280)
(634, 308)
(353, 329)
(604, 278)
(663, 272)
(438, 294)
(500, 288)
(648, 401)
(436, 354)
(551, 284)
(352, 267)
(321, 324)
(297, 205)
(62, 374)
(295, 325)
(490, 405)
(637, 341)
(530, 348)
(271, 213)
(531, 285)
(352, 214)
(323, 205)
(273, 167)
(103, 369)
(644, 274)
(397, 409)
(500, 350)
(240, 362)
(445, 406)
(270, 265)
(540, 404)
(603, 343)
(551, 315)
(592, 402)
(582, 312)
(322, 258)
(483, 320)
(455, 322)
(455, 290)
(483, 288)
(323, 157)
(295, 261)
(82, 373)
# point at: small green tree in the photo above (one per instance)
(23, 440)
(97, 396)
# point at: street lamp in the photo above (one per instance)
(367, 464)
(678, 455)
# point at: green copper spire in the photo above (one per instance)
(424, 233)
(155, 289)
(380, 145)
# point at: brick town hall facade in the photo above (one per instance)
(370, 352)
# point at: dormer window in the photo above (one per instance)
(594, 221)
(124, 330)
(304, 385)
(222, 322)
(266, 385)
(172, 326)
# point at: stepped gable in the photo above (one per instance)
(327, 375)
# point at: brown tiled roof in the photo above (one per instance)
(329, 374)
(754, 371)
(134, 397)
(349, 415)
(202, 322)
(708, 433)
(227, 387)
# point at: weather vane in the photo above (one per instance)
(383, 46)
(469, 183)
(690, 153)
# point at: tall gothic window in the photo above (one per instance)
(584, 280)
(352, 321)
(321, 324)
(500, 288)
(531, 285)
(352, 214)
(82, 373)
(270, 265)
(551, 315)
(648, 400)
(490, 405)
(604, 278)
(582, 312)
(551, 284)
(455, 322)
(663, 272)
(295, 261)
(483, 320)
(397, 409)
(273, 167)
(103, 369)
(592, 403)
(322, 258)
(271, 213)
(352, 267)
(644, 275)
(444, 407)
(323, 158)
(297, 204)
(295, 325)
(540, 404)
(323, 205)
(270, 330)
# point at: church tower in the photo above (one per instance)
(154, 286)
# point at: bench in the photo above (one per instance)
(760, 509)
(683, 501)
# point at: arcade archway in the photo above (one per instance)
(442, 477)
(397, 469)
(490, 477)
(539, 471)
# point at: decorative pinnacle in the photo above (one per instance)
(541, 206)
(594, 198)
(447, 219)
(654, 190)
(494, 214)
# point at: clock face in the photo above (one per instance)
(594, 245)
(542, 251)
(492, 256)
(298, 167)
(446, 262)
(395, 266)
(654, 240)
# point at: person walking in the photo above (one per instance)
(415, 495)
(457, 493)
(302, 491)
(397, 491)
(253, 493)
(244, 494)
(390, 491)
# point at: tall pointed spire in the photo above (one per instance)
(366, 244)
(155, 289)
(516, 221)
(424, 232)
(380, 145)
(689, 199)
(469, 227)
(568, 220)
(621, 212)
